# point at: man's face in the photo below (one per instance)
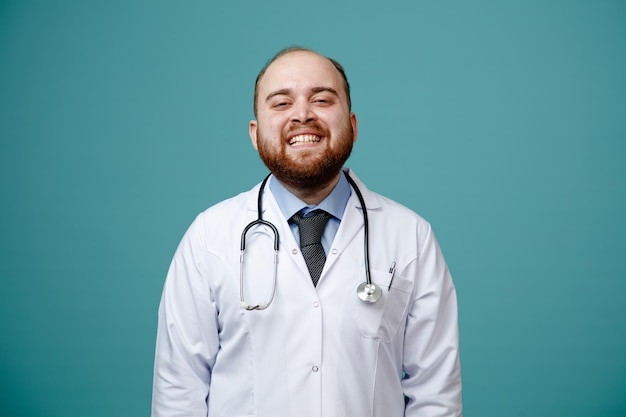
(304, 130)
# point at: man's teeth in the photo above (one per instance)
(304, 139)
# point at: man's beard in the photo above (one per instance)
(308, 172)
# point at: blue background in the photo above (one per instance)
(502, 123)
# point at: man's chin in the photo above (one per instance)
(307, 176)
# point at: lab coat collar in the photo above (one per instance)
(372, 201)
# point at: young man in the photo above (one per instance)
(340, 305)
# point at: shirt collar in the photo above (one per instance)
(334, 203)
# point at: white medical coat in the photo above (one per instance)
(315, 351)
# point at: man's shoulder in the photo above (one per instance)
(385, 207)
(232, 205)
(223, 217)
(393, 208)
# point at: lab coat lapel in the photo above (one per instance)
(352, 223)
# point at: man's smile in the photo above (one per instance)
(304, 140)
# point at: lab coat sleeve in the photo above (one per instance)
(187, 332)
(432, 381)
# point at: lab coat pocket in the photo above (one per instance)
(381, 320)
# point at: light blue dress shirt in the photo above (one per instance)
(334, 203)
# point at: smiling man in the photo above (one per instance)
(305, 130)
(333, 302)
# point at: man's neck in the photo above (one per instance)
(313, 195)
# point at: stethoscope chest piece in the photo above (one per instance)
(369, 293)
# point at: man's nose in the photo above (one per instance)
(303, 112)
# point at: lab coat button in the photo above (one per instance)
(315, 369)
(334, 251)
(316, 304)
(294, 251)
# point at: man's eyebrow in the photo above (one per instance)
(281, 92)
(324, 89)
(287, 91)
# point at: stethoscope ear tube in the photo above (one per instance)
(255, 223)
(258, 221)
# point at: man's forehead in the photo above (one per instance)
(300, 66)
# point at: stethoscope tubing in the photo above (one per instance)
(367, 291)
(258, 221)
(366, 249)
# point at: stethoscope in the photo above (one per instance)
(366, 291)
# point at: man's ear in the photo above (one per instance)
(252, 131)
(355, 126)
